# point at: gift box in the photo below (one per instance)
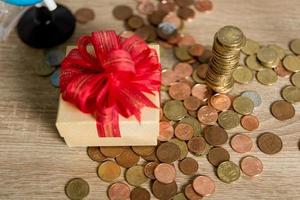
(101, 126)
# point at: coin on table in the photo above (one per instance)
(217, 155)
(220, 101)
(281, 71)
(135, 22)
(203, 5)
(250, 122)
(201, 91)
(228, 119)
(146, 7)
(186, 13)
(54, 57)
(111, 152)
(190, 193)
(251, 166)
(254, 96)
(127, 158)
(269, 143)
(295, 46)
(194, 123)
(140, 193)
(174, 110)
(44, 69)
(241, 143)
(151, 158)
(168, 152)
(95, 154)
(77, 188)
(144, 32)
(182, 147)
(149, 169)
(196, 145)
(143, 150)
(243, 105)
(267, 55)
(207, 115)
(164, 191)
(204, 185)
(183, 70)
(168, 76)
(215, 135)
(291, 63)
(182, 54)
(122, 12)
(84, 15)
(109, 171)
(295, 79)
(118, 191)
(242, 75)
(179, 91)
(280, 51)
(266, 77)
(166, 131)
(184, 131)
(191, 103)
(282, 110)
(166, 6)
(188, 166)
(179, 196)
(252, 63)
(202, 70)
(228, 172)
(291, 94)
(196, 50)
(186, 40)
(251, 47)
(156, 17)
(165, 173)
(135, 175)
(54, 78)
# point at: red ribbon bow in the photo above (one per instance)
(112, 82)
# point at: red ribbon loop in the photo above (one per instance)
(113, 82)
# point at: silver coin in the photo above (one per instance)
(254, 96)
(54, 57)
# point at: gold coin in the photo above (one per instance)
(194, 123)
(251, 47)
(174, 110)
(266, 76)
(295, 46)
(230, 36)
(243, 105)
(77, 188)
(280, 51)
(228, 119)
(295, 79)
(291, 94)
(242, 75)
(111, 152)
(143, 150)
(109, 171)
(228, 172)
(267, 55)
(253, 64)
(135, 175)
(292, 63)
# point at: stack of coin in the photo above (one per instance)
(228, 42)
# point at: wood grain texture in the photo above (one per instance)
(34, 161)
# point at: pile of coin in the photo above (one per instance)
(228, 42)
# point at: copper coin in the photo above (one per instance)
(186, 40)
(207, 115)
(128, 158)
(84, 15)
(282, 110)
(269, 143)
(135, 22)
(95, 154)
(166, 131)
(201, 91)
(251, 166)
(174, 39)
(172, 18)
(215, 135)
(166, 6)
(184, 3)
(281, 71)
(156, 17)
(111, 152)
(140, 193)
(217, 155)
(118, 191)
(220, 102)
(109, 171)
(241, 143)
(122, 12)
(151, 158)
(203, 5)
(186, 13)
(179, 91)
(249, 122)
(188, 166)
(168, 152)
(149, 169)
(206, 56)
(184, 131)
(201, 70)
(168, 77)
(143, 150)
(183, 70)
(191, 103)
(204, 185)
(146, 7)
(196, 145)
(143, 32)
(165, 173)
(190, 193)
(196, 50)
(164, 191)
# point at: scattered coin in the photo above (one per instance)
(135, 22)
(191, 103)
(166, 131)
(251, 47)
(242, 75)
(196, 50)
(220, 101)
(291, 94)
(140, 193)
(182, 146)
(44, 69)
(164, 191)
(204, 186)
(203, 5)
(149, 169)
(269, 143)
(207, 115)
(243, 105)
(241, 143)
(179, 91)
(118, 191)
(295, 46)
(183, 70)
(251, 166)
(122, 12)
(252, 63)
(55, 78)
(109, 171)
(54, 57)
(228, 172)
(77, 188)
(151, 158)
(127, 158)
(168, 77)
(295, 79)
(190, 193)
(174, 110)
(95, 154)
(202, 70)
(250, 122)
(188, 166)
(84, 15)
(266, 76)
(146, 7)
(282, 110)
(291, 63)
(168, 152)
(186, 13)
(165, 173)
(111, 152)
(184, 131)
(217, 155)
(228, 119)
(201, 91)
(196, 145)
(215, 135)
(143, 150)
(280, 51)
(254, 96)
(268, 56)
(135, 175)
(182, 54)
(194, 123)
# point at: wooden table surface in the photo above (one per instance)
(36, 164)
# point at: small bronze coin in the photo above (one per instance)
(203, 5)
(156, 17)
(182, 54)
(196, 145)
(143, 150)
(179, 91)
(165, 173)
(269, 143)
(204, 186)
(241, 143)
(118, 191)
(220, 102)
(217, 155)
(164, 191)
(140, 193)
(196, 50)
(111, 152)
(135, 22)
(151, 158)
(207, 115)
(183, 70)
(186, 13)
(184, 131)
(188, 166)
(166, 131)
(122, 12)
(282, 110)
(77, 188)
(191, 103)
(251, 166)
(250, 122)
(143, 32)
(201, 70)
(127, 158)
(149, 169)
(95, 154)
(215, 135)
(135, 175)
(168, 152)
(84, 15)
(182, 146)
(190, 193)
(109, 171)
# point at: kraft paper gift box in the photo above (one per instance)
(79, 129)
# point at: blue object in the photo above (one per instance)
(55, 78)
(22, 2)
